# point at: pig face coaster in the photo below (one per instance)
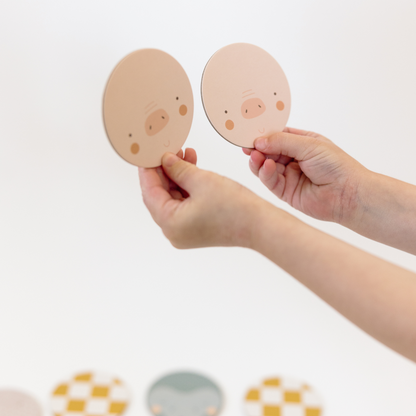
(245, 94)
(148, 107)
(282, 397)
(16, 403)
(88, 394)
(184, 394)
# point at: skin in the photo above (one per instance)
(197, 208)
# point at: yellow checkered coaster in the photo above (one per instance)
(90, 394)
(282, 397)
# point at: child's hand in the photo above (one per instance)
(309, 172)
(197, 208)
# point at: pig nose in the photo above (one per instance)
(253, 107)
(156, 122)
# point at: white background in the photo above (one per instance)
(88, 281)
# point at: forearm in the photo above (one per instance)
(377, 296)
(385, 211)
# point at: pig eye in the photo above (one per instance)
(130, 135)
(274, 93)
(150, 127)
(226, 111)
(163, 117)
(177, 98)
(259, 105)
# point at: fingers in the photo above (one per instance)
(256, 161)
(190, 156)
(294, 181)
(290, 145)
(181, 172)
(155, 196)
(283, 160)
(176, 194)
(272, 177)
(163, 178)
(300, 132)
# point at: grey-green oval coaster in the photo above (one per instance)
(185, 394)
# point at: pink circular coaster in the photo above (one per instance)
(16, 403)
(245, 94)
(148, 107)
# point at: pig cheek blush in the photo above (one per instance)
(245, 94)
(147, 107)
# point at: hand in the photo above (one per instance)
(309, 172)
(197, 208)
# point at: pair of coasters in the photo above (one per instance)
(95, 394)
(190, 394)
(148, 102)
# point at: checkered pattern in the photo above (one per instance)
(90, 394)
(282, 397)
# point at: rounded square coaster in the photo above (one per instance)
(245, 94)
(148, 107)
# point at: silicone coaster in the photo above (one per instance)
(185, 394)
(90, 394)
(148, 107)
(16, 403)
(245, 94)
(282, 397)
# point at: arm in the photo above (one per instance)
(315, 176)
(386, 212)
(377, 296)
(196, 208)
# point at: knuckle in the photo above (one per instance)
(310, 149)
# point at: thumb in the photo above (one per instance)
(181, 172)
(293, 145)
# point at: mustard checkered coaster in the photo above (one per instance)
(282, 397)
(90, 394)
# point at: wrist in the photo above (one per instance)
(354, 199)
(270, 228)
(246, 224)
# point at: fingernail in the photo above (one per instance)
(260, 143)
(169, 160)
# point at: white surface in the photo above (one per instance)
(88, 280)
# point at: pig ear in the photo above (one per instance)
(156, 409)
